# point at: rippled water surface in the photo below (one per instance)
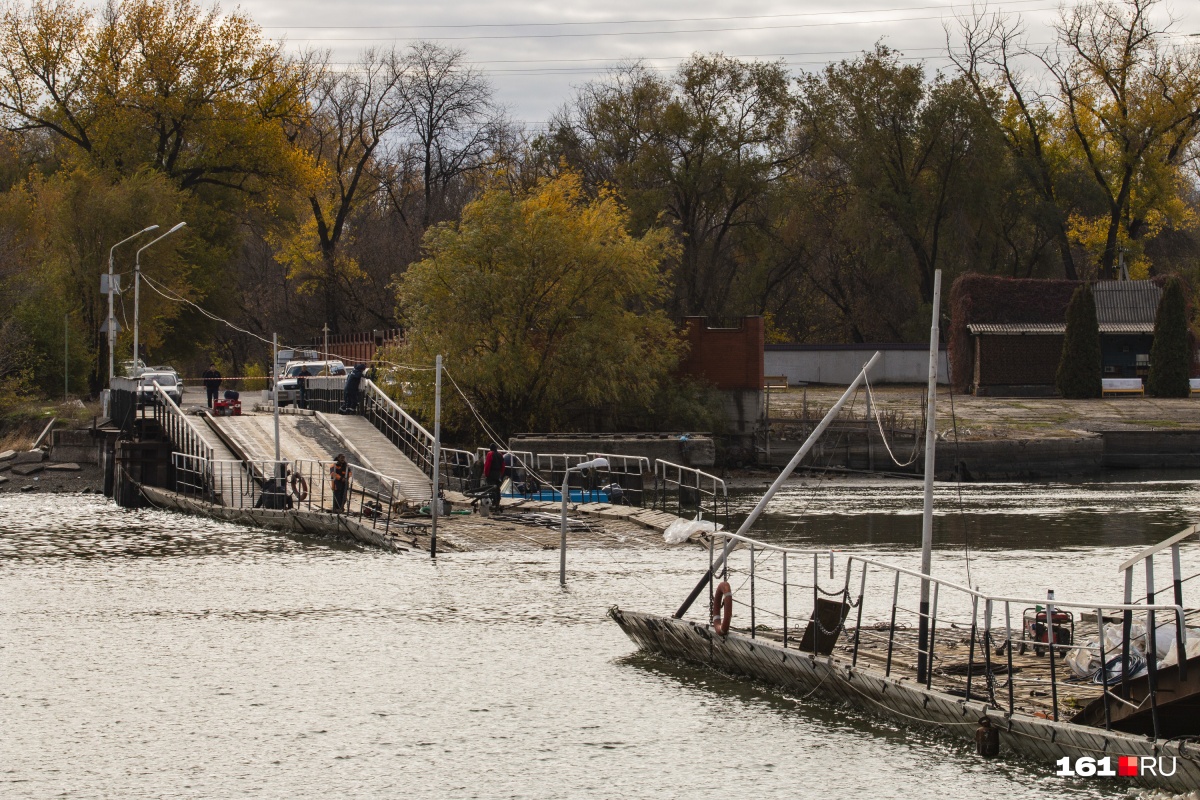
(145, 654)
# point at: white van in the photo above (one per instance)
(289, 386)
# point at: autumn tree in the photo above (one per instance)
(1123, 117)
(350, 114)
(703, 146)
(452, 117)
(545, 307)
(198, 95)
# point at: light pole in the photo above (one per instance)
(112, 321)
(599, 463)
(137, 285)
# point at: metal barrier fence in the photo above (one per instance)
(678, 489)
(182, 432)
(371, 499)
(977, 647)
(553, 466)
(626, 472)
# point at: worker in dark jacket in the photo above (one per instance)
(350, 391)
(212, 383)
(493, 473)
(339, 478)
(302, 385)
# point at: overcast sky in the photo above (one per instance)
(536, 51)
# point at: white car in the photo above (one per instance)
(289, 385)
(169, 381)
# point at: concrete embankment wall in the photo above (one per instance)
(1008, 459)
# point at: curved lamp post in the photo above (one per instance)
(112, 327)
(137, 285)
(598, 463)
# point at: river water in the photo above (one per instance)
(146, 654)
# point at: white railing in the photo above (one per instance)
(182, 432)
(887, 624)
(683, 484)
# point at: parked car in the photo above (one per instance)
(289, 385)
(131, 369)
(169, 381)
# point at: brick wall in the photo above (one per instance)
(728, 358)
(358, 348)
(1018, 360)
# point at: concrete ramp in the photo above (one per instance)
(376, 452)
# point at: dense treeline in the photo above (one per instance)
(824, 201)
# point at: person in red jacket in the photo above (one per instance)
(493, 473)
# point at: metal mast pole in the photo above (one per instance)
(437, 454)
(930, 451)
(112, 333)
(783, 476)
(137, 286)
(275, 388)
(66, 356)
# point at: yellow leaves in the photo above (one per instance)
(543, 304)
(297, 248)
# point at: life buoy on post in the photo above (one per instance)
(299, 487)
(722, 608)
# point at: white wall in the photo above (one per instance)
(840, 366)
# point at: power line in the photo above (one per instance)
(620, 21)
(642, 33)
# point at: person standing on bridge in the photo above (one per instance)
(212, 383)
(493, 473)
(339, 477)
(302, 385)
(350, 391)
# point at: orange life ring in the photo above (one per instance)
(722, 608)
(299, 487)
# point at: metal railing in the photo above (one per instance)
(678, 489)
(397, 425)
(182, 432)
(626, 472)
(583, 487)
(872, 613)
(369, 498)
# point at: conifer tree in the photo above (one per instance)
(1170, 355)
(1079, 369)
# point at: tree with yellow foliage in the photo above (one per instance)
(547, 310)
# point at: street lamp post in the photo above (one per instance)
(599, 463)
(137, 285)
(112, 320)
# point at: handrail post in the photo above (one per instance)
(1152, 647)
(1126, 632)
(971, 645)
(988, 677)
(1050, 652)
(1008, 637)
(862, 594)
(1180, 626)
(785, 584)
(1103, 670)
(937, 587)
(892, 627)
(753, 627)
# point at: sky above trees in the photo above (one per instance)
(534, 66)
